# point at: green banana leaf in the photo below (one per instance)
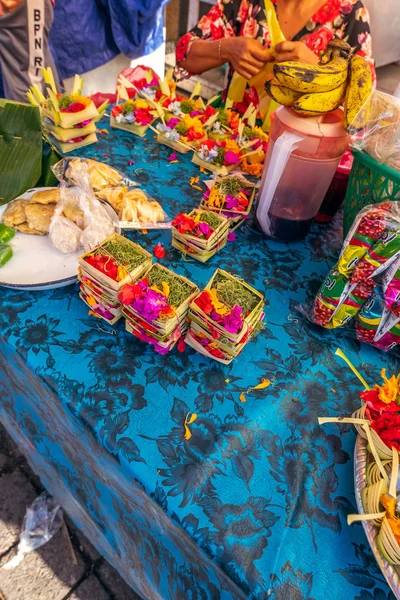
(20, 148)
(50, 157)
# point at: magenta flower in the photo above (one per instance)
(194, 113)
(206, 194)
(204, 228)
(231, 158)
(230, 202)
(172, 157)
(234, 322)
(231, 236)
(173, 122)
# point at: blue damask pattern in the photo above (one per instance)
(254, 505)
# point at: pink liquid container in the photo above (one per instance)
(303, 155)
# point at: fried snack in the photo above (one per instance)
(24, 228)
(74, 213)
(46, 197)
(39, 216)
(15, 213)
(114, 197)
(137, 207)
(100, 175)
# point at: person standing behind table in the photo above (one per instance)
(24, 48)
(236, 32)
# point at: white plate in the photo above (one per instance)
(36, 264)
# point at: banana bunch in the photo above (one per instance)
(313, 90)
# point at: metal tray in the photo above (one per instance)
(361, 460)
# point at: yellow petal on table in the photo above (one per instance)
(93, 314)
(263, 385)
(189, 421)
(242, 397)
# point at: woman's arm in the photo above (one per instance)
(246, 55)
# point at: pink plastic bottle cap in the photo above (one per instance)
(327, 125)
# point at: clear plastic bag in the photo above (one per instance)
(376, 129)
(101, 176)
(65, 233)
(362, 291)
(42, 521)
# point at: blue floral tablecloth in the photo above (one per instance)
(254, 505)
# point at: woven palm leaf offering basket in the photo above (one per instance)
(156, 307)
(376, 470)
(231, 196)
(220, 157)
(224, 317)
(201, 233)
(68, 120)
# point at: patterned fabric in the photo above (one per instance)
(345, 19)
(254, 505)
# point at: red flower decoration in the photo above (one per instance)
(159, 251)
(328, 12)
(129, 293)
(182, 46)
(318, 41)
(204, 302)
(181, 345)
(387, 426)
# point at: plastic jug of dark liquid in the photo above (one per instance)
(303, 155)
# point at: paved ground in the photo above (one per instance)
(48, 573)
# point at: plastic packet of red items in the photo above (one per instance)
(363, 288)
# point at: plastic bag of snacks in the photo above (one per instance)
(376, 129)
(363, 288)
(101, 176)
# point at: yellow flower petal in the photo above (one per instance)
(261, 386)
(166, 289)
(189, 421)
(242, 397)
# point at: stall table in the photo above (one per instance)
(254, 505)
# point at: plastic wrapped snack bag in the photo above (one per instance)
(101, 176)
(362, 291)
(98, 224)
(64, 233)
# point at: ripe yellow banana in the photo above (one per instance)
(280, 93)
(312, 78)
(336, 47)
(359, 89)
(321, 102)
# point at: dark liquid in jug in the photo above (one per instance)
(289, 230)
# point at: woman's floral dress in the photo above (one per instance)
(345, 19)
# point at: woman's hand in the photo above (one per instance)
(247, 56)
(296, 51)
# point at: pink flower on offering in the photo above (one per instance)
(234, 322)
(216, 317)
(230, 202)
(172, 157)
(231, 158)
(173, 122)
(205, 229)
(195, 113)
(231, 237)
(206, 194)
